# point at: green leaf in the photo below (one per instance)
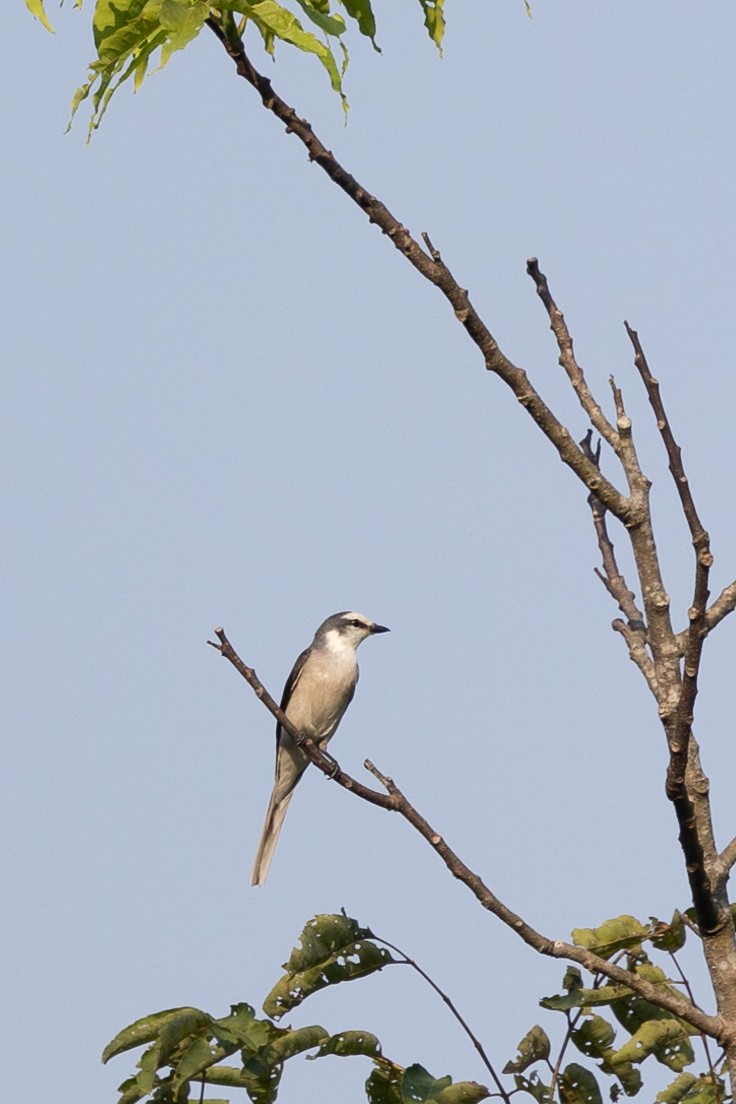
(533, 1047)
(332, 949)
(586, 998)
(320, 15)
(572, 980)
(668, 937)
(627, 1075)
(348, 1043)
(126, 35)
(35, 7)
(260, 1092)
(361, 11)
(182, 20)
(226, 1075)
(666, 1039)
(705, 1091)
(463, 1092)
(273, 19)
(118, 26)
(384, 1084)
(632, 1011)
(677, 1089)
(149, 1028)
(390, 1084)
(621, 933)
(434, 20)
(149, 1064)
(241, 1030)
(198, 1056)
(284, 1044)
(579, 1086)
(321, 938)
(129, 1092)
(533, 1086)
(262, 1070)
(418, 1084)
(594, 1037)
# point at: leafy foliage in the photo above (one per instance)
(187, 1045)
(129, 33)
(652, 1032)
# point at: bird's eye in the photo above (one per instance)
(356, 623)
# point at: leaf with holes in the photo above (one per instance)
(579, 1086)
(332, 949)
(533, 1047)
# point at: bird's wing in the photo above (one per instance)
(293, 679)
(291, 682)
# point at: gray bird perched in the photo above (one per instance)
(317, 693)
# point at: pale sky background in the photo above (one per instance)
(229, 401)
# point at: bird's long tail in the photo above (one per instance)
(269, 836)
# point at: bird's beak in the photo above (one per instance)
(379, 628)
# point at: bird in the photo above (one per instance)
(317, 693)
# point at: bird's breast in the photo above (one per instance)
(322, 695)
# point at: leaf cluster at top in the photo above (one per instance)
(128, 34)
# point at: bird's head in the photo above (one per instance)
(347, 629)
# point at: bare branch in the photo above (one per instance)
(674, 452)
(434, 269)
(728, 855)
(703, 561)
(673, 1002)
(567, 358)
(724, 604)
(636, 643)
(638, 483)
(395, 801)
(633, 629)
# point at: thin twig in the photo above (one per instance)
(406, 960)
(728, 855)
(611, 577)
(674, 452)
(633, 629)
(571, 1024)
(567, 358)
(688, 989)
(724, 604)
(661, 640)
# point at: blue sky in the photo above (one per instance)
(228, 401)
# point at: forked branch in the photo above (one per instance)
(679, 734)
(633, 629)
(567, 359)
